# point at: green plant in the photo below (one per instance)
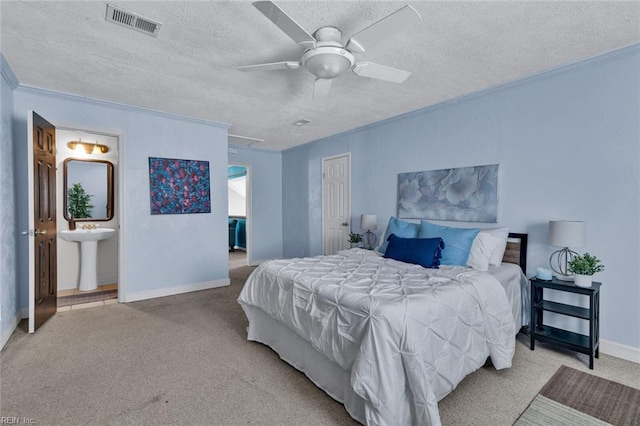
(78, 202)
(355, 238)
(585, 265)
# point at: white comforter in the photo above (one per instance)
(408, 335)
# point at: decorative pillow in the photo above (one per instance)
(457, 241)
(483, 246)
(425, 252)
(498, 253)
(399, 228)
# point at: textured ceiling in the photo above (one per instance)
(190, 68)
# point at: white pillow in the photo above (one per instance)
(481, 251)
(498, 253)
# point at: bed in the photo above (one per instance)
(386, 338)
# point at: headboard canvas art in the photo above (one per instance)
(468, 194)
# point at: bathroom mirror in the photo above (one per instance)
(95, 178)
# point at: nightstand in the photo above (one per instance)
(589, 344)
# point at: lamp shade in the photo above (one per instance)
(566, 233)
(368, 222)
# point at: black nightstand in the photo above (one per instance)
(590, 344)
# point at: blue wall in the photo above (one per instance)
(9, 290)
(162, 253)
(567, 142)
(265, 179)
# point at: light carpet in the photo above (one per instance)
(185, 359)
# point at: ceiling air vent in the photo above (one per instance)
(133, 21)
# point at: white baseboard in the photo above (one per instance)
(8, 331)
(24, 313)
(170, 291)
(620, 351)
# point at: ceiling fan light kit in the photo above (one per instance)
(326, 57)
(327, 61)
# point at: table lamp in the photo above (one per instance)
(564, 233)
(369, 222)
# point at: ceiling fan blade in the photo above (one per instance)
(383, 29)
(285, 23)
(380, 72)
(321, 87)
(291, 65)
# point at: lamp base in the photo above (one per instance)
(369, 240)
(559, 262)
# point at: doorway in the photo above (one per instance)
(239, 214)
(60, 164)
(89, 171)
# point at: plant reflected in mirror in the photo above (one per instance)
(79, 202)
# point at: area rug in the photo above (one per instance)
(572, 397)
(95, 296)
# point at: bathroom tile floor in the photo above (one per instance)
(87, 299)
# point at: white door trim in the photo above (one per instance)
(324, 159)
(249, 222)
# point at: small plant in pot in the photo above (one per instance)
(79, 205)
(583, 267)
(355, 239)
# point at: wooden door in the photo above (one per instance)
(336, 203)
(44, 222)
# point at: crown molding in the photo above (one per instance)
(24, 88)
(7, 73)
(611, 55)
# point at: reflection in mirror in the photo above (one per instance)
(88, 190)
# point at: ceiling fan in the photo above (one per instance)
(326, 57)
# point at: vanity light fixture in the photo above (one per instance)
(89, 148)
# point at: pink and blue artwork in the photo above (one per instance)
(179, 186)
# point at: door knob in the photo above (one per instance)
(345, 224)
(39, 232)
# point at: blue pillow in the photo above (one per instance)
(457, 240)
(399, 228)
(425, 252)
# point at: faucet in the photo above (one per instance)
(89, 226)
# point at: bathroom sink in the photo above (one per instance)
(80, 235)
(88, 239)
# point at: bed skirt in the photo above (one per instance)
(326, 375)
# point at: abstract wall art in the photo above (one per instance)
(467, 194)
(179, 186)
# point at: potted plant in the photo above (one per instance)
(78, 202)
(583, 267)
(355, 239)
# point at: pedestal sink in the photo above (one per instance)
(88, 239)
